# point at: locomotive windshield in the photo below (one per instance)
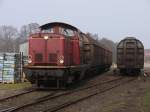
(50, 30)
(64, 31)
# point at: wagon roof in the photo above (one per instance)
(130, 38)
(49, 25)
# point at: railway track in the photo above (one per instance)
(75, 96)
(71, 102)
(6, 103)
(16, 95)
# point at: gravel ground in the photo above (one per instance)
(126, 98)
(5, 93)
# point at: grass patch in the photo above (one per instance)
(14, 86)
(146, 101)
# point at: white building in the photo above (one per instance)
(24, 48)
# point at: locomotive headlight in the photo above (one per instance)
(29, 61)
(45, 37)
(61, 61)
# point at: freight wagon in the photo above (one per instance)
(130, 55)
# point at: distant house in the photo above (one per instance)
(24, 48)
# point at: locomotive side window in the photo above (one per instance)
(67, 32)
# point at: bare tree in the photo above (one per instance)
(10, 38)
(111, 45)
(24, 33)
(94, 36)
(8, 34)
(26, 30)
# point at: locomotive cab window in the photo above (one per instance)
(67, 32)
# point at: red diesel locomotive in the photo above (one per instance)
(61, 54)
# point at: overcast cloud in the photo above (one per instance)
(114, 19)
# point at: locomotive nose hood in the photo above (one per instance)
(47, 50)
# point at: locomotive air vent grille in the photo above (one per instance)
(38, 57)
(52, 57)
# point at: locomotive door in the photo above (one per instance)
(130, 53)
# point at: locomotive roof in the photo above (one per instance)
(49, 25)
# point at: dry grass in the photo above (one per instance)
(14, 86)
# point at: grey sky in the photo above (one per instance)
(114, 19)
